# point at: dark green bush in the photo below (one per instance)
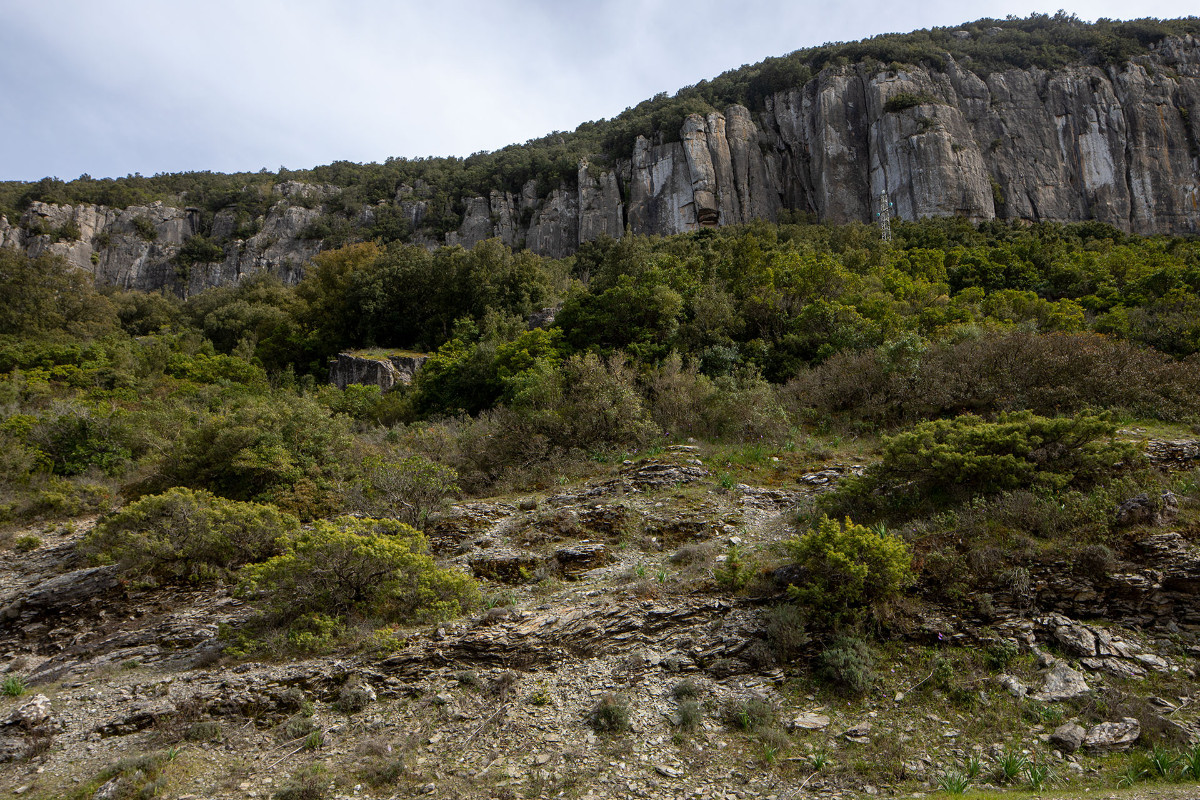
(188, 535)
(359, 568)
(939, 463)
(144, 228)
(905, 100)
(199, 250)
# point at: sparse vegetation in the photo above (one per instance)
(610, 715)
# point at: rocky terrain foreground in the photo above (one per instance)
(606, 664)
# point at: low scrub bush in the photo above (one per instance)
(188, 535)
(359, 568)
(137, 776)
(610, 715)
(307, 783)
(848, 663)
(784, 626)
(847, 566)
(689, 715)
(752, 714)
(939, 463)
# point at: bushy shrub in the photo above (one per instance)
(848, 566)
(359, 568)
(144, 228)
(610, 715)
(942, 462)
(264, 450)
(785, 631)
(354, 697)
(188, 535)
(409, 489)
(848, 663)
(1095, 561)
(905, 100)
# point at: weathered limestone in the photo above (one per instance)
(1115, 144)
(386, 373)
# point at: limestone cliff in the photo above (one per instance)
(1119, 145)
(385, 372)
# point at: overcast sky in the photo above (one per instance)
(122, 86)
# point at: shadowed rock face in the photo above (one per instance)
(385, 373)
(1118, 144)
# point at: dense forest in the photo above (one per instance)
(762, 333)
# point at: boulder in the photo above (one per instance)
(1068, 737)
(1142, 510)
(31, 714)
(1112, 737)
(581, 557)
(1062, 683)
(809, 721)
(62, 592)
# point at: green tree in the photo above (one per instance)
(45, 294)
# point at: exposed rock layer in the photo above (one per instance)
(1119, 145)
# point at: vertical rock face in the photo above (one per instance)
(1120, 145)
(600, 209)
(924, 156)
(386, 373)
(717, 174)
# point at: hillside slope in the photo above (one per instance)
(1110, 139)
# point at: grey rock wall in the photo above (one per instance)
(1120, 145)
(386, 373)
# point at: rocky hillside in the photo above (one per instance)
(1117, 144)
(604, 665)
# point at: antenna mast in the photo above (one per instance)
(885, 216)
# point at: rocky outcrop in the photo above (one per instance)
(1117, 144)
(384, 372)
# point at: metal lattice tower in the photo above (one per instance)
(885, 216)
